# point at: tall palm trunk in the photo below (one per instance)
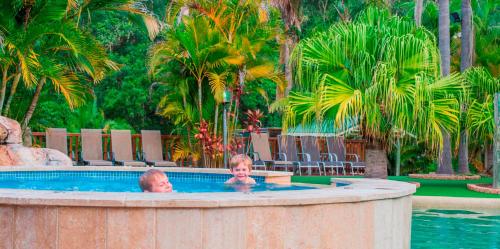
(288, 48)
(13, 89)
(34, 102)
(419, 5)
(200, 110)
(465, 62)
(444, 162)
(463, 153)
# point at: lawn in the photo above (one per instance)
(427, 187)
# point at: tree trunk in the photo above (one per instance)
(289, 45)
(13, 90)
(376, 161)
(200, 114)
(465, 62)
(419, 5)
(216, 119)
(34, 102)
(488, 157)
(3, 88)
(463, 153)
(444, 36)
(467, 36)
(444, 164)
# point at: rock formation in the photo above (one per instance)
(13, 153)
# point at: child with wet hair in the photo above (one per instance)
(155, 181)
(240, 166)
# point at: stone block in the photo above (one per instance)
(10, 131)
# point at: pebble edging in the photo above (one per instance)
(483, 188)
(445, 177)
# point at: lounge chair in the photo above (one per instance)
(152, 150)
(336, 147)
(262, 153)
(91, 153)
(288, 147)
(57, 138)
(121, 142)
(310, 146)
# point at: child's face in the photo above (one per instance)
(240, 172)
(160, 184)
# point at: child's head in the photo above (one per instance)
(155, 180)
(240, 166)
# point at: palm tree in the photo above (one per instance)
(54, 28)
(219, 45)
(290, 14)
(480, 114)
(465, 63)
(379, 71)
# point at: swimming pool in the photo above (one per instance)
(445, 229)
(127, 181)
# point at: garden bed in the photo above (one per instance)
(445, 177)
(483, 188)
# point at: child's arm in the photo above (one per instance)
(230, 181)
(251, 180)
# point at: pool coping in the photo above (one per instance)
(359, 190)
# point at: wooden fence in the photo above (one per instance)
(356, 146)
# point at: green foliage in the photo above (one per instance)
(380, 70)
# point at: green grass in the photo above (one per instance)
(427, 187)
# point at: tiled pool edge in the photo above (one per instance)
(269, 176)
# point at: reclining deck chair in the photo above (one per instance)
(121, 141)
(91, 153)
(310, 147)
(336, 147)
(262, 152)
(152, 150)
(288, 148)
(57, 138)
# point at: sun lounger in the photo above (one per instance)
(310, 146)
(57, 138)
(152, 150)
(121, 141)
(288, 147)
(262, 153)
(336, 147)
(91, 153)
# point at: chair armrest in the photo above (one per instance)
(111, 155)
(256, 156)
(328, 156)
(282, 158)
(307, 156)
(355, 156)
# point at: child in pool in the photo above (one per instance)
(155, 181)
(241, 167)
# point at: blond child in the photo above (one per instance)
(155, 181)
(240, 166)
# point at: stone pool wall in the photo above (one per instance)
(367, 214)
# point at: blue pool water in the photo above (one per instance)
(127, 181)
(455, 229)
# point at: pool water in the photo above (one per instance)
(455, 229)
(127, 181)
